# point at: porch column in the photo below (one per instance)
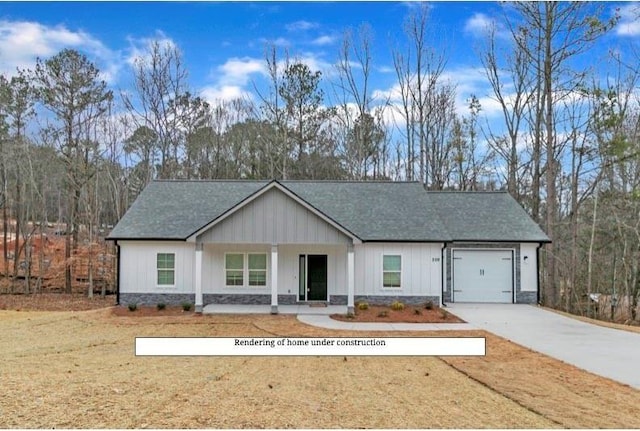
(198, 278)
(274, 279)
(351, 279)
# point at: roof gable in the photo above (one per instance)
(274, 215)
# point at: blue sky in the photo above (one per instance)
(223, 43)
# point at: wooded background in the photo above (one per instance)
(74, 153)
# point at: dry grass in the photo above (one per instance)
(77, 369)
(567, 395)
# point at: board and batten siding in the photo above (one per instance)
(529, 267)
(138, 272)
(421, 269)
(274, 218)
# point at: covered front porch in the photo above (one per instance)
(273, 249)
(295, 276)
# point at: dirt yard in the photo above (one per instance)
(78, 370)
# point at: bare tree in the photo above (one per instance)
(426, 103)
(159, 79)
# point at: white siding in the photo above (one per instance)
(214, 282)
(421, 274)
(138, 272)
(213, 278)
(528, 267)
(274, 218)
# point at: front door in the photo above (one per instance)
(316, 277)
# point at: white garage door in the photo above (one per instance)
(482, 276)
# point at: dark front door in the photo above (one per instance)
(316, 277)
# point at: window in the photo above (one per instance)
(234, 269)
(391, 271)
(257, 269)
(166, 267)
(250, 266)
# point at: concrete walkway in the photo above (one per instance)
(611, 353)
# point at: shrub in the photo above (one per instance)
(383, 313)
(397, 306)
(186, 306)
(363, 306)
(161, 306)
(417, 311)
(444, 314)
(351, 316)
(132, 306)
(429, 305)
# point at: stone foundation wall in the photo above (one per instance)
(157, 298)
(527, 297)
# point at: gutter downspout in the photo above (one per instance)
(117, 273)
(443, 274)
(538, 273)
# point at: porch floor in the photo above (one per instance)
(298, 309)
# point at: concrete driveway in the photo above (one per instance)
(611, 353)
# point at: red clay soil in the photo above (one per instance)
(49, 250)
(417, 314)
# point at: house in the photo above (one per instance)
(286, 242)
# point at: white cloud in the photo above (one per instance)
(315, 63)
(385, 69)
(478, 25)
(324, 40)
(22, 42)
(629, 24)
(139, 48)
(279, 42)
(481, 25)
(215, 94)
(301, 26)
(238, 71)
(231, 79)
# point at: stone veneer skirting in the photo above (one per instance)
(265, 299)
(157, 298)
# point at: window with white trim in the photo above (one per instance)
(257, 269)
(166, 269)
(245, 269)
(392, 271)
(234, 269)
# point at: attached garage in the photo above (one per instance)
(483, 275)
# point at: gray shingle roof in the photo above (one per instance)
(485, 216)
(176, 209)
(375, 211)
(372, 211)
